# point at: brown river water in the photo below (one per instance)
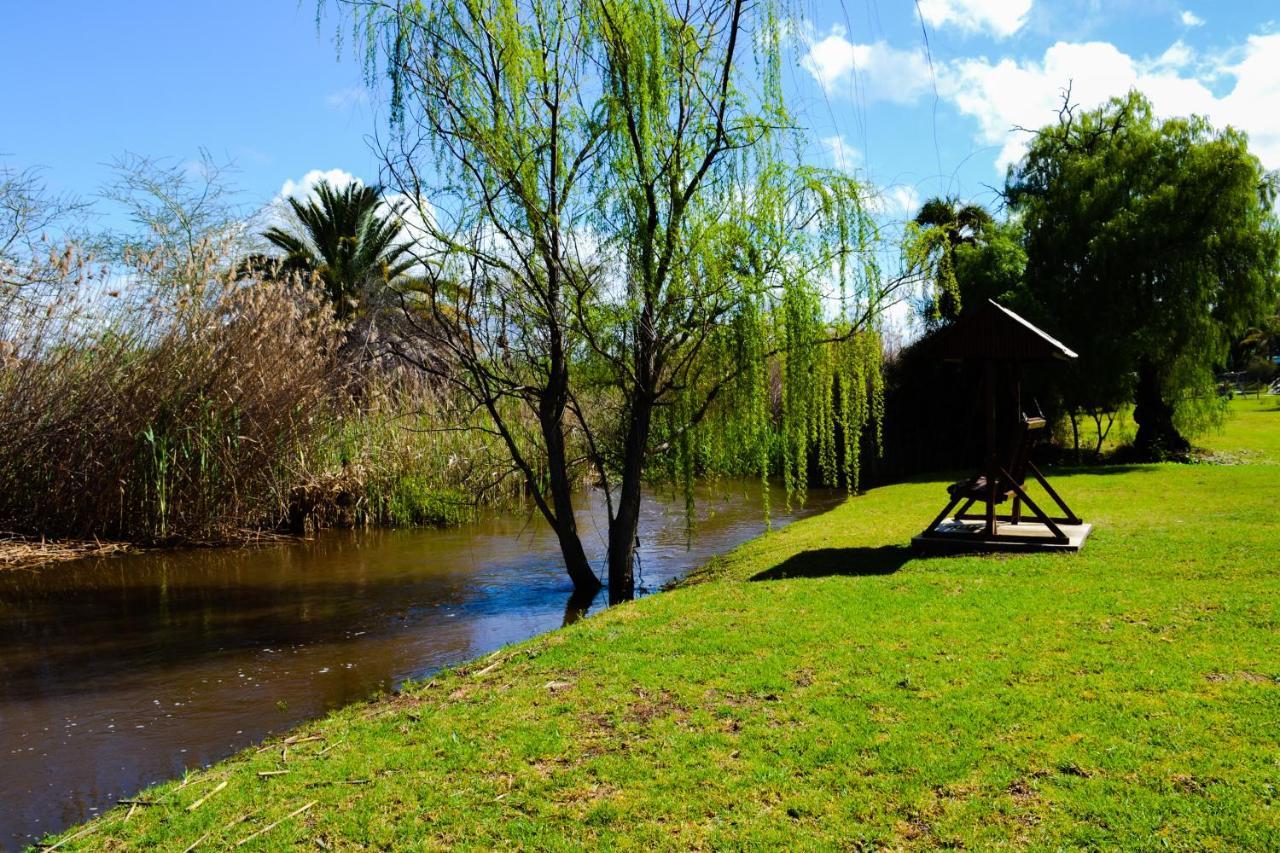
(121, 672)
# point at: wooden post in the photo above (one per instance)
(1016, 515)
(993, 465)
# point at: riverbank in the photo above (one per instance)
(821, 686)
(20, 552)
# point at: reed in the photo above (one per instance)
(133, 408)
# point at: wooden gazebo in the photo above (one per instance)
(999, 343)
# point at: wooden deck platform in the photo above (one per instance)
(958, 536)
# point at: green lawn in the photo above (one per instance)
(823, 688)
(1252, 432)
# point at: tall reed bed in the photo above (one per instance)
(135, 408)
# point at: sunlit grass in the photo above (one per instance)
(823, 687)
(1252, 431)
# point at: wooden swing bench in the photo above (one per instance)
(1010, 482)
(996, 336)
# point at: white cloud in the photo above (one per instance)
(1191, 19)
(879, 71)
(1251, 105)
(1028, 94)
(300, 189)
(1001, 18)
(843, 155)
(1178, 55)
(899, 201)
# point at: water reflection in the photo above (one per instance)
(117, 673)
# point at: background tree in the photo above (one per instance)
(1150, 245)
(37, 227)
(941, 227)
(966, 255)
(347, 239)
(619, 246)
(1255, 354)
(186, 224)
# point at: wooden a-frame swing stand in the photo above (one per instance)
(1002, 341)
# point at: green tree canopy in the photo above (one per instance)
(346, 238)
(1151, 244)
(622, 248)
(966, 255)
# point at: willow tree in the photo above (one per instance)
(1150, 245)
(620, 252)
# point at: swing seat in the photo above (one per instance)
(975, 487)
(1010, 482)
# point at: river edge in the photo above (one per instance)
(339, 639)
(826, 685)
(302, 741)
(19, 553)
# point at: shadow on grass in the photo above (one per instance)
(849, 562)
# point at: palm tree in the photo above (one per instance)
(343, 241)
(951, 225)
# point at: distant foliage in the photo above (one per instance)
(940, 231)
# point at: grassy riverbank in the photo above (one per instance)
(822, 687)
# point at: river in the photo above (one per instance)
(118, 673)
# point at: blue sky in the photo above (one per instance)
(259, 84)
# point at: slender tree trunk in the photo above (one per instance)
(551, 408)
(566, 525)
(625, 524)
(1157, 437)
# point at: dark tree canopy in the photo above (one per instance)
(1151, 244)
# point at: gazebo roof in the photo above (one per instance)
(994, 333)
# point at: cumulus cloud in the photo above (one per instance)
(877, 70)
(843, 155)
(1009, 93)
(1177, 56)
(899, 201)
(1191, 19)
(303, 187)
(1000, 18)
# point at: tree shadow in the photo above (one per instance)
(847, 562)
(579, 603)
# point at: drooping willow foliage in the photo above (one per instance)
(802, 345)
(678, 288)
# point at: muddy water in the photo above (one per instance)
(118, 673)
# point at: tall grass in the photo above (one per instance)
(134, 409)
(403, 457)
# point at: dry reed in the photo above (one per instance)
(138, 409)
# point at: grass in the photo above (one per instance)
(1252, 432)
(821, 687)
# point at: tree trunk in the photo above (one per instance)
(1157, 437)
(551, 407)
(625, 524)
(565, 524)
